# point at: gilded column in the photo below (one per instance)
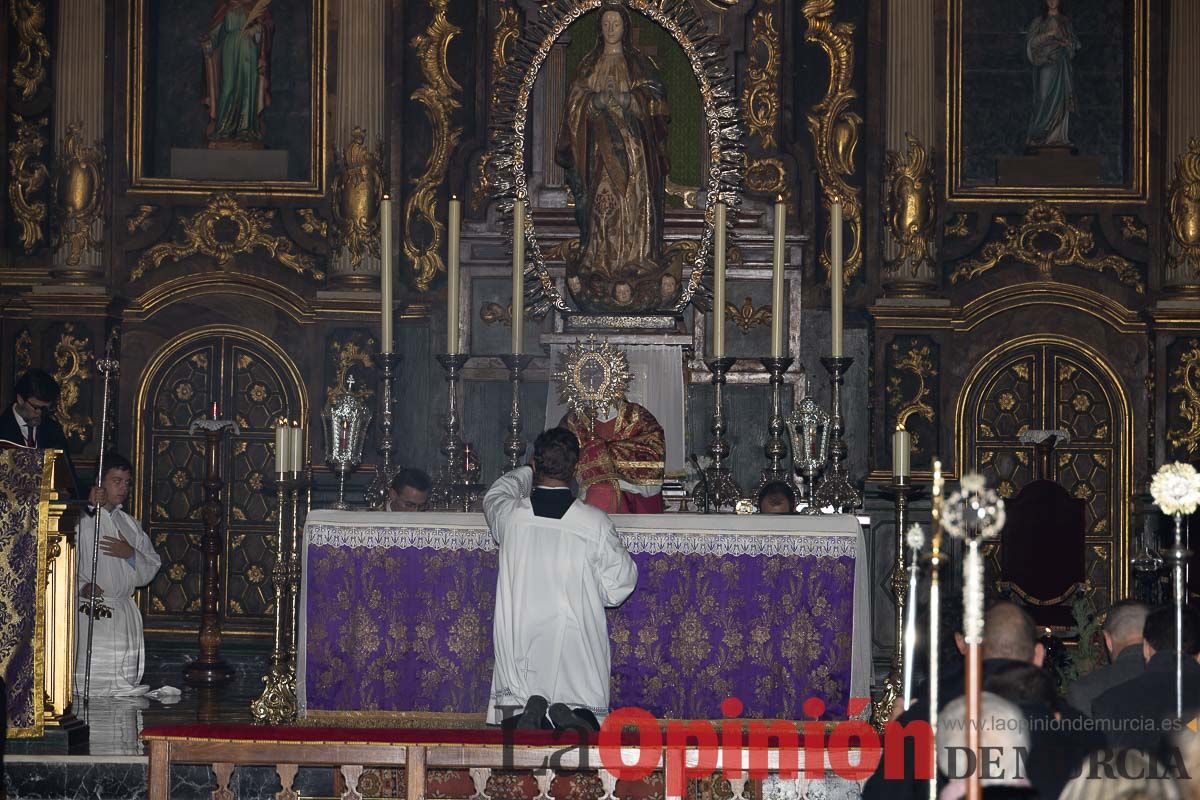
(358, 128)
(77, 221)
(1181, 268)
(909, 196)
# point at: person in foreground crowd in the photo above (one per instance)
(1001, 731)
(1131, 775)
(776, 498)
(561, 564)
(126, 560)
(1140, 712)
(1123, 639)
(1009, 638)
(409, 491)
(29, 421)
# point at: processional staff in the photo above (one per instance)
(935, 565)
(109, 367)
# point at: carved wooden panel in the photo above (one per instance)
(1183, 399)
(1048, 387)
(252, 387)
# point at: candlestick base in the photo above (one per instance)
(718, 487)
(836, 490)
(776, 447)
(376, 494)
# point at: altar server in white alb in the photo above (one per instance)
(561, 563)
(126, 561)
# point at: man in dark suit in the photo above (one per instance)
(1140, 712)
(29, 421)
(1123, 638)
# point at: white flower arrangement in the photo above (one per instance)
(915, 538)
(1176, 489)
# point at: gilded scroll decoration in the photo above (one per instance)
(959, 227)
(1134, 229)
(357, 195)
(760, 96)
(28, 176)
(139, 220)
(910, 208)
(72, 357)
(768, 176)
(508, 30)
(78, 196)
(747, 316)
(1183, 214)
(202, 236)
(917, 362)
(33, 50)
(347, 355)
(1046, 240)
(1186, 383)
(439, 96)
(311, 223)
(834, 127)
(22, 354)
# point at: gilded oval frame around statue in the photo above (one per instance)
(510, 132)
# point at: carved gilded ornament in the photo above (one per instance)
(958, 227)
(33, 51)
(28, 176)
(1046, 240)
(346, 355)
(72, 357)
(1183, 214)
(204, 234)
(1187, 384)
(22, 353)
(78, 196)
(139, 220)
(311, 223)
(748, 316)
(496, 314)
(760, 95)
(508, 30)
(422, 223)
(508, 143)
(834, 128)
(1134, 229)
(910, 208)
(357, 195)
(918, 363)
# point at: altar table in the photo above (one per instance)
(396, 615)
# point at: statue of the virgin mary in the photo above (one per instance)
(613, 148)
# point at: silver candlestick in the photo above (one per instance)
(346, 421)
(776, 446)
(809, 429)
(449, 485)
(836, 489)
(514, 443)
(718, 488)
(377, 492)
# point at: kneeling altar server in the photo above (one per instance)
(561, 563)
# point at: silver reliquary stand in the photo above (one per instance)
(346, 420)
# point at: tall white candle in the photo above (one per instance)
(778, 307)
(283, 443)
(518, 277)
(385, 274)
(901, 453)
(835, 285)
(297, 447)
(718, 334)
(455, 221)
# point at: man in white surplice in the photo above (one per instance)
(126, 560)
(561, 563)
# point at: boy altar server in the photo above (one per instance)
(126, 561)
(561, 563)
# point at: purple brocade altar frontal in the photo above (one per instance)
(399, 619)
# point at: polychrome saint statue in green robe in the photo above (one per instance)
(237, 71)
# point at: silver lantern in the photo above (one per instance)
(346, 421)
(808, 427)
